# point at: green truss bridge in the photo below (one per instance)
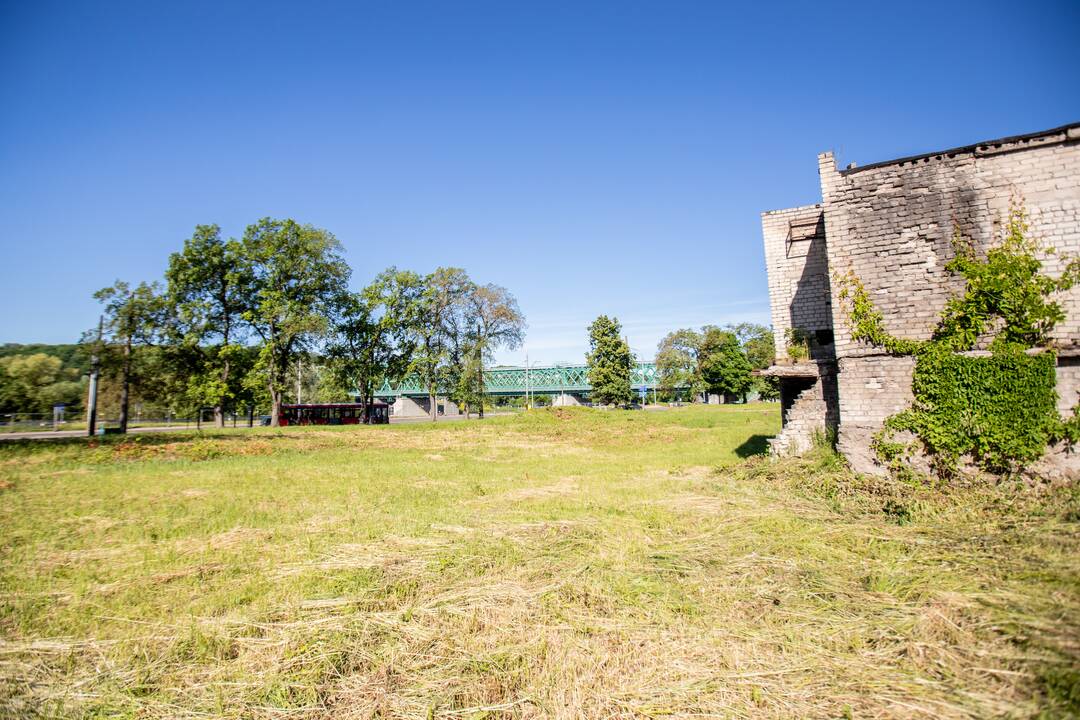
(547, 380)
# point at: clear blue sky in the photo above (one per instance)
(592, 157)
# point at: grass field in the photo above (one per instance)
(564, 563)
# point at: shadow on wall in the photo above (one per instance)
(811, 312)
(811, 305)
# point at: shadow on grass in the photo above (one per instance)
(754, 445)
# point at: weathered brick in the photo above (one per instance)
(892, 224)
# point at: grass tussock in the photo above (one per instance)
(563, 564)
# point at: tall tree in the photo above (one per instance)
(208, 289)
(297, 276)
(498, 323)
(438, 332)
(609, 362)
(133, 317)
(373, 337)
(723, 366)
(758, 344)
(677, 362)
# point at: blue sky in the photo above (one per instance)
(592, 157)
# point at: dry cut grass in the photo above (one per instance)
(562, 565)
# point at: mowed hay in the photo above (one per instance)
(320, 580)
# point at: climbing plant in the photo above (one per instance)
(998, 409)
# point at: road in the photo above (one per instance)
(58, 434)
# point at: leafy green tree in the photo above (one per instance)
(496, 322)
(374, 339)
(34, 383)
(208, 290)
(133, 317)
(610, 362)
(439, 332)
(758, 343)
(722, 363)
(297, 276)
(677, 362)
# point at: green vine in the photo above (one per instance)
(797, 344)
(1000, 410)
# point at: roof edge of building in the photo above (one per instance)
(1069, 132)
(800, 208)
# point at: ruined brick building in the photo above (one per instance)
(892, 224)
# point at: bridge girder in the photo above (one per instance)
(546, 380)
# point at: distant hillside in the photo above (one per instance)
(72, 355)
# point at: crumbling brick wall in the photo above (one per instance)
(892, 223)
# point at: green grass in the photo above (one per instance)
(562, 563)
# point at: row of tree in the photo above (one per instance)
(717, 361)
(234, 318)
(32, 381)
(712, 361)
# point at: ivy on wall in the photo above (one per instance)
(1000, 410)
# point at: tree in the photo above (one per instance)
(759, 345)
(297, 275)
(609, 362)
(438, 332)
(133, 317)
(36, 382)
(498, 323)
(722, 364)
(373, 337)
(208, 289)
(677, 362)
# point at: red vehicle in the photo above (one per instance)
(334, 414)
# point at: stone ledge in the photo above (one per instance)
(811, 369)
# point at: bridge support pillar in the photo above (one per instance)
(410, 407)
(565, 400)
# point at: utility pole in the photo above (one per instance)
(91, 401)
(297, 381)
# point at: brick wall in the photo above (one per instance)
(892, 224)
(799, 288)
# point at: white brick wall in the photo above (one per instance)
(892, 224)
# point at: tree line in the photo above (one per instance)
(717, 361)
(690, 363)
(233, 318)
(232, 321)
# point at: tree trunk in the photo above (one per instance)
(125, 387)
(219, 409)
(365, 389)
(432, 404)
(480, 409)
(275, 408)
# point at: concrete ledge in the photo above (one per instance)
(810, 369)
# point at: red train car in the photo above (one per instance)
(334, 414)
